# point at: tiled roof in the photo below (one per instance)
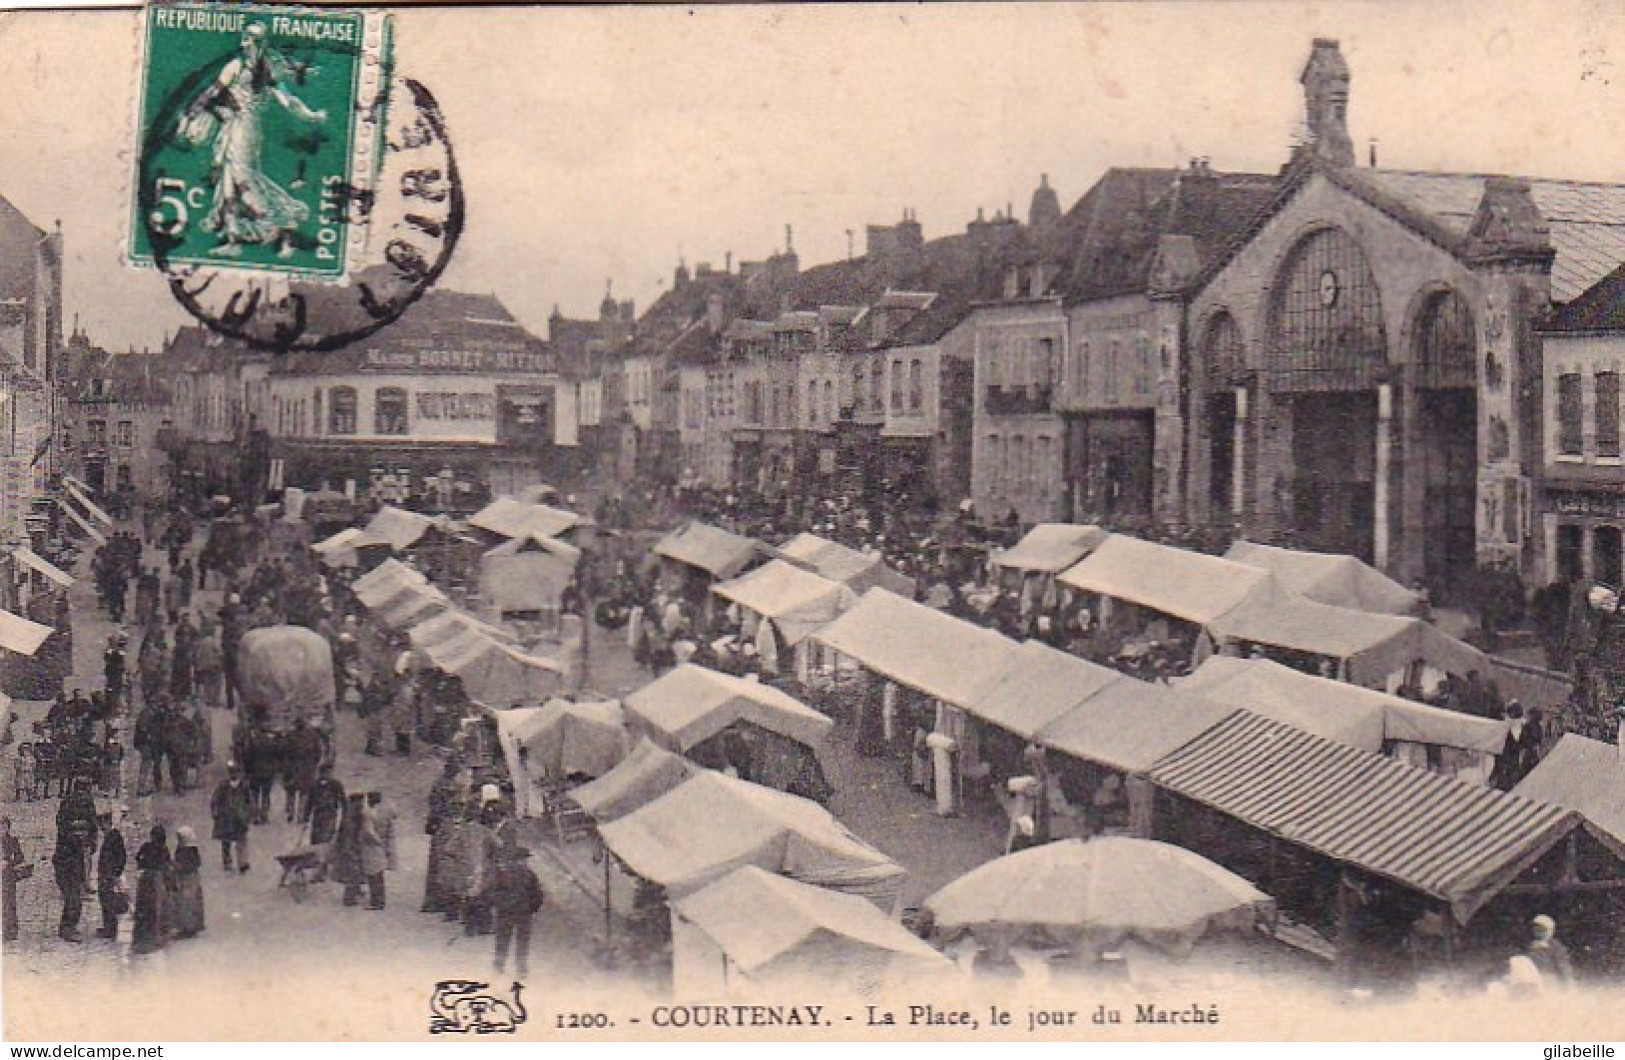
(1114, 230)
(1600, 307)
(18, 237)
(439, 319)
(1587, 220)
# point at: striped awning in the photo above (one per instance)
(81, 522)
(1433, 834)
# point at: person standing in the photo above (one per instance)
(207, 669)
(1549, 956)
(110, 865)
(403, 715)
(326, 805)
(113, 662)
(151, 920)
(188, 917)
(14, 868)
(71, 863)
(358, 855)
(301, 759)
(233, 813)
(516, 898)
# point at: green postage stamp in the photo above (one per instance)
(258, 135)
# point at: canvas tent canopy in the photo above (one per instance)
(754, 927)
(43, 567)
(1453, 841)
(20, 635)
(1343, 581)
(1371, 647)
(496, 674)
(1583, 775)
(691, 704)
(858, 571)
(385, 581)
(714, 824)
(338, 550)
(644, 775)
(510, 517)
(1174, 581)
(527, 573)
(558, 740)
(451, 623)
(796, 601)
(1050, 548)
(395, 527)
(1036, 685)
(716, 552)
(1129, 725)
(81, 522)
(1358, 717)
(411, 606)
(914, 645)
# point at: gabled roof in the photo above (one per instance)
(1601, 307)
(1114, 230)
(440, 320)
(1585, 221)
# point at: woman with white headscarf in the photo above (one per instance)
(187, 910)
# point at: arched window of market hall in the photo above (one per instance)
(1223, 354)
(1446, 342)
(1326, 330)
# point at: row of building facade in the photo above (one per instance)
(1418, 368)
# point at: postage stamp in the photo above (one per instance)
(251, 137)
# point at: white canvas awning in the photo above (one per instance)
(82, 496)
(1174, 581)
(33, 561)
(20, 635)
(81, 522)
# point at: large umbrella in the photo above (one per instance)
(1099, 893)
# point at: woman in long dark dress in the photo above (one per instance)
(152, 892)
(188, 910)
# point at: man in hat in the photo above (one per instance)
(113, 661)
(233, 812)
(516, 897)
(110, 863)
(1547, 954)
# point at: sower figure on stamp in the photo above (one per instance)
(248, 206)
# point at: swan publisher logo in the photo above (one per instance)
(465, 1006)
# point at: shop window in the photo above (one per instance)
(916, 385)
(1606, 558)
(897, 385)
(341, 410)
(1568, 552)
(1570, 416)
(389, 412)
(1607, 413)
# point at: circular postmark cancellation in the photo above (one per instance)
(295, 192)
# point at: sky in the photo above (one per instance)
(605, 144)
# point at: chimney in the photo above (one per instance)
(1325, 81)
(713, 312)
(728, 263)
(1373, 147)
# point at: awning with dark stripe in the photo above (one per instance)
(1433, 834)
